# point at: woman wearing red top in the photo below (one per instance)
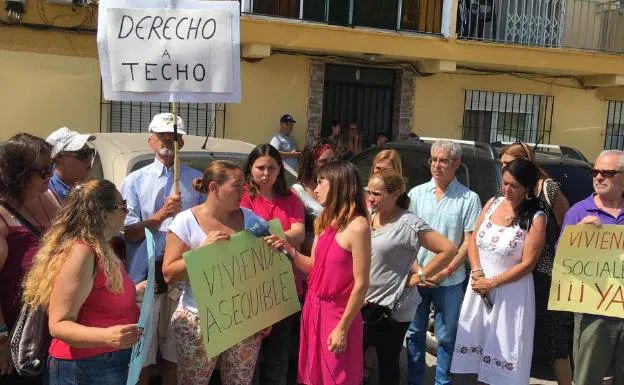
(267, 195)
(89, 297)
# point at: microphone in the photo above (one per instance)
(259, 228)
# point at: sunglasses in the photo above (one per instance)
(606, 173)
(45, 171)
(123, 206)
(82, 155)
(376, 194)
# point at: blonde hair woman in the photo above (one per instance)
(387, 159)
(90, 299)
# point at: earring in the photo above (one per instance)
(529, 197)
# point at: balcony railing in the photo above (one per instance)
(422, 16)
(596, 25)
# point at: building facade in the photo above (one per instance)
(549, 71)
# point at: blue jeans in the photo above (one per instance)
(104, 369)
(447, 304)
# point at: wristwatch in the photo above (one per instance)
(421, 275)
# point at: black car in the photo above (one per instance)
(479, 171)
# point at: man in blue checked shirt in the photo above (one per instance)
(151, 204)
(452, 210)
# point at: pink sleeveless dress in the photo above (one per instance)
(330, 284)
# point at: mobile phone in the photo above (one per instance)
(487, 301)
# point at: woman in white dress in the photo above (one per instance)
(496, 323)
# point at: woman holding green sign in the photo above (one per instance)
(219, 217)
(330, 351)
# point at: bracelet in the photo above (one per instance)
(476, 270)
(450, 270)
(496, 281)
(4, 328)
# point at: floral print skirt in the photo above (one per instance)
(236, 364)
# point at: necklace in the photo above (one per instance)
(41, 226)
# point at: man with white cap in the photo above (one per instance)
(73, 157)
(151, 204)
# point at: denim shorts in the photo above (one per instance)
(104, 369)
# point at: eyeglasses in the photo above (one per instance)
(123, 206)
(606, 173)
(442, 161)
(45, 171)
(82, 155)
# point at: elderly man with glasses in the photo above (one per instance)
(452, 210)
(599, 340)
(73, 159)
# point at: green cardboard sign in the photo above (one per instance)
(241, 286)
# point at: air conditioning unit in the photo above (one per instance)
(612, 34)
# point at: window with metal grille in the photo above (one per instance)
(199, 118)
(614, 133)
(507, 117)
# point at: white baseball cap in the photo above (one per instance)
(65, 139)
(164, 123)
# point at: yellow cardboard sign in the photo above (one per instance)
(588, 273)
(241, 286)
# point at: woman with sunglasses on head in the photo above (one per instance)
(312, 159)
(497, 317)
(387, 159)
(330, 348)
(266, 195)
(391, 301)
(90, 299)
(553, 329)
(27, 208)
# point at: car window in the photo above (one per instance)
(201, 162)
(576, 182)
(478, 174)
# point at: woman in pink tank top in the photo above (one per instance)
(26, 209)
(90, 299)
(330, 351)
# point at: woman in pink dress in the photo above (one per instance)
(330, 351)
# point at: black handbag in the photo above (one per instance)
(30, 338)
(29, 341)
(373, 313)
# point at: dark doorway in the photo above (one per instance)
(358, 94)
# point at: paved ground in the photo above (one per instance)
(458, 379)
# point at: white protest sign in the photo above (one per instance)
(170, 50)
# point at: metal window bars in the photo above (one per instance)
(199, 118)
(501, 117)
(614, 132)
(583, 24)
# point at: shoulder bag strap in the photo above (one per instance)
(546, 192)
(33, 229)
